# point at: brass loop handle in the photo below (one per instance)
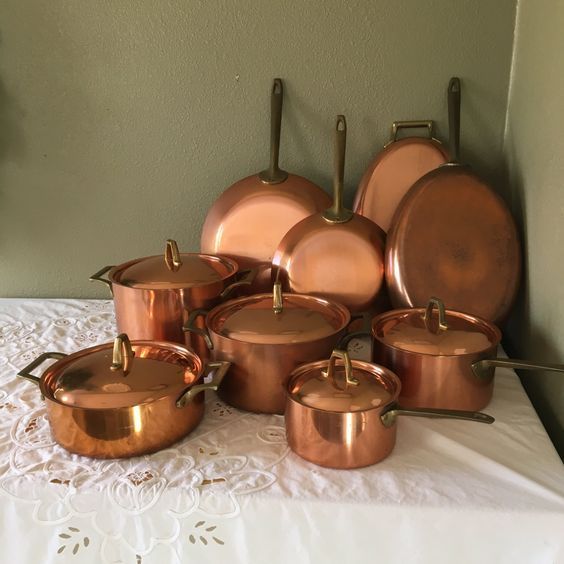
(350, 380)
(277, 299)
(428, 315)
(191, 326)
(98, 277)
(26, 372)
(218, 369)
(172, 255)
(389, 417)
(122, 355)
(248, 277)
(414, 124)
(484, 369)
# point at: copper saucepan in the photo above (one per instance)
(341, 413)
(265, 337)
(444, 358)
(124, 399)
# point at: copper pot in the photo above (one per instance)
(342, 413)
(444, 358)
(265, 337)
(124, 399)
(153, 296)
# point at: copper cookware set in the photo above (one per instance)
(197, 321)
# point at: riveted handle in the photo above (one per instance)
(414, 124)
(484, 369)
(191, 326)
(218, 369)
(454, 95)
(26, 373)
(122, 355)
(98, 277)
(389, 417)
(428, 315)
(350, 380)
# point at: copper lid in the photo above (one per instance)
(343, 385)
(174, 270)
(435, 331)
(277, 319)
(122, 374)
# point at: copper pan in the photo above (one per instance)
(124, 399)
(250, 218)
(335, 254)
(454, 237)
(395, 169)
(342, 413)
(444, 358)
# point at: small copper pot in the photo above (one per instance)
(124, 399)
(342, 413)
(444, 358)
(265, 337)
(153, 296)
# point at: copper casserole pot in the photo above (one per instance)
(265, 337)
(124, 398)
(444, 358)
(342, 413)
(153, 296)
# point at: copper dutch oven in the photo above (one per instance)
(124, 399)
(342, 413)
(265, 337)
(153, 296)
(444, 358)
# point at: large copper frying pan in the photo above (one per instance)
(454, 237)
(337, 254)
(250, 218)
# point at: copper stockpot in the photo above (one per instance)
(265, 337)
(444, 358)
(124, 399)
(153, 296)
(342, 413)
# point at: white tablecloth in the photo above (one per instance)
(232, 492)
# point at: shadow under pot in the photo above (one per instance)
(444, 358)
(265, 337)
(342, 413)
(153, 296)
(124, 398)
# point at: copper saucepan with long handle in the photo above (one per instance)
(341, 413)
(124, 398)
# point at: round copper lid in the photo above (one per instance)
(174, 270)
(343, 385)
(122, 374)
(278, 319)
(435, 331)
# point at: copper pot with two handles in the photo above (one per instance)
(153, 296)
(341, 413)
(124, 398)
(444, 358)
(264, 337)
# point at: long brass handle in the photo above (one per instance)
(191, 327)
(413, 124)
(274, 175)
(389, 418)
(247, 278)
(219, 368)
(26, 372)
(484, 369)
(98, 277)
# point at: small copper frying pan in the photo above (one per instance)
(250, 218)
(453, 236)
(336, 254)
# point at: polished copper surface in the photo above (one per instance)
(392, 173)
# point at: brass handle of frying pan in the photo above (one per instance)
(389, 418)
(191, 327)
(98, 277)
(26, 373)
(484, 369)
(274, 175)
(220, 367)
(414, 124)
(454, 118)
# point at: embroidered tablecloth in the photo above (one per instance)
(232, 491)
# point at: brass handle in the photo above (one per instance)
(427, 316)
(191, 328)
(122, 355)
(277, 298)
(26, 372)
(98, 277)
(337, 213)
(219, 368)
(350, 380)
(274, 175)
(484, 369)
(454, 95)
(389, 417)
(397, 125)
(172, 255)
(248, 277)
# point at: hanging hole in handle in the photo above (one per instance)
(428, 316)
(341, 124)
(277, 87)
(454, 84)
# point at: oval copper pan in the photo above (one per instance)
(394, 170)
(453, 237)
(336, 254)
(250, 218)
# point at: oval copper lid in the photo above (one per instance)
(86, 379)
(456, 334)
(302, 319)
(375, 386)
(174, 270)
